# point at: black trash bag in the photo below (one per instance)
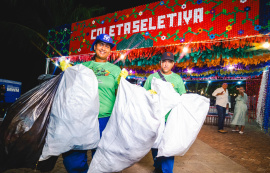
(24, 129)
(47, 165)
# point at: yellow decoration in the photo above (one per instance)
(64, 65)
(229, 27)
(152, 91)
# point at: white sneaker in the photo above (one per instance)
(235, 130)
(241, 132)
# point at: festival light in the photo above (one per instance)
(209, 81)
(239, 82)
(67, 61)
(185, 49)
(230, 67)
(56, 64)
(122, 57)
(189, 71)
(266, 45)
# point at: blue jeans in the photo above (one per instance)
(163, 163)
(221, 116)
(75, 161)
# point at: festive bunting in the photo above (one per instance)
(266, 118)
(261, 98)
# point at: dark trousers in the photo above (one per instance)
(162, 163)
(221, 116)
(75, 161)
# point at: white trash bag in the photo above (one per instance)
(168, 99)
(74, 115)
(183, 125)
(131, 130)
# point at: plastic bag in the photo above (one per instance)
(74, 115)
(24, 129)
(132, 128)
(166, 101)
(183, 125)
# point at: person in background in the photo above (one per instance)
(165, 164)
(108, 76)
(222, 103)
(240, 111)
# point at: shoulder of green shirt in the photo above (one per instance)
(147, 84)
(117, 68)
(87, 63)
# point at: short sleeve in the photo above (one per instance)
(147, 84)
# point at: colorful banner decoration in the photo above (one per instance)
(166, 23)
(58, 41)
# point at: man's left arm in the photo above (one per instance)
(229, 100)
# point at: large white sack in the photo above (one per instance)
(132, 128)
(74, 114)
(183, 125)
(168, 99)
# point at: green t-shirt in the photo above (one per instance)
(173, 78)
(107, 74)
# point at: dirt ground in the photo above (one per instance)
(251, 149)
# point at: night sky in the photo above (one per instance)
(20, 59)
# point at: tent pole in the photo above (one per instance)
(47, 65)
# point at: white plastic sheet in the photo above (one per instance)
(74, 115)
(133, 126)
(183, 125)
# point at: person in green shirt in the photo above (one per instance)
(165, 164)
(108, 76)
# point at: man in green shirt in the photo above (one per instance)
(165, 164)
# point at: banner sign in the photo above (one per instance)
(13, 90)
(165, 23)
